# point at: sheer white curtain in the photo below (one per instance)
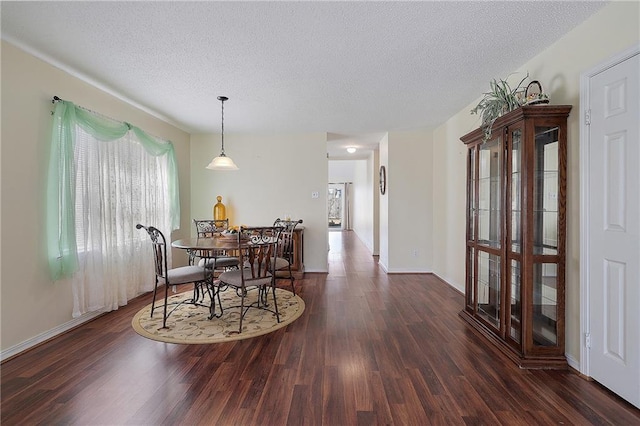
(118, 185)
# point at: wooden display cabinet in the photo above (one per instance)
(516, 225)
(297, 267)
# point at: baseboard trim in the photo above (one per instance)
(461, 291)
(573, 362)
(13, 351)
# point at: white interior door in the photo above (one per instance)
(613, 262)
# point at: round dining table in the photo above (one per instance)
(212, 247)
(207, 243)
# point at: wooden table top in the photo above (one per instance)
(210, 243)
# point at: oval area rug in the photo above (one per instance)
(190, 324)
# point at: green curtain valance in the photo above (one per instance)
(61, 236)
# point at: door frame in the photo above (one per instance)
(585, 288)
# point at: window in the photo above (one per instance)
(106, 177)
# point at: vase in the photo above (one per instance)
(219, 210)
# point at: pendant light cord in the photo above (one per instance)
(222, 162)
(222, 100)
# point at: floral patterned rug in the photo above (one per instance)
(190, 324)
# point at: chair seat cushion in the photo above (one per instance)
(281, 263)
(234, 278)
(185, 274)
(219, 262)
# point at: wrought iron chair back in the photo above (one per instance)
(159, 246)
(286, 251)
(213, 259)
(256, 247)
(175, 276)
(263, 244)
(209, 227)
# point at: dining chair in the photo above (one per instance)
(216, 260)
(198, 275)
(285, 253)
(256, 247)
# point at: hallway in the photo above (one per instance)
(347, 255)
(369, 349)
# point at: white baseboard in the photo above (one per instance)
(49, 334)
(450, 283)
(573, 363)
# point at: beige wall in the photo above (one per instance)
(613, 29)
(342, 170)
(449, 205)
(282, 177)
(410, 208)
(31, 304)
(405, 210)
(364, 209)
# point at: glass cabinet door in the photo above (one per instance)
(471, 280)
(545, 191)
(489, 231)
(489, 287)
(472, 204)
(515, 322)
(516, 185)
(489, 188)
(545, 304)
(514, 325)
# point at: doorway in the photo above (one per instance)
(339, 206)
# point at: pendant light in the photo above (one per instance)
(222, 162)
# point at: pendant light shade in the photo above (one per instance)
(222, 162)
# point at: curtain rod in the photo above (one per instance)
(58, 99)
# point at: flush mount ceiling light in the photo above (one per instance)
(351, 150)
(222, 162)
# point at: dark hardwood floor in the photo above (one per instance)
(369, 349)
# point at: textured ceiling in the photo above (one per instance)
(352, 69)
